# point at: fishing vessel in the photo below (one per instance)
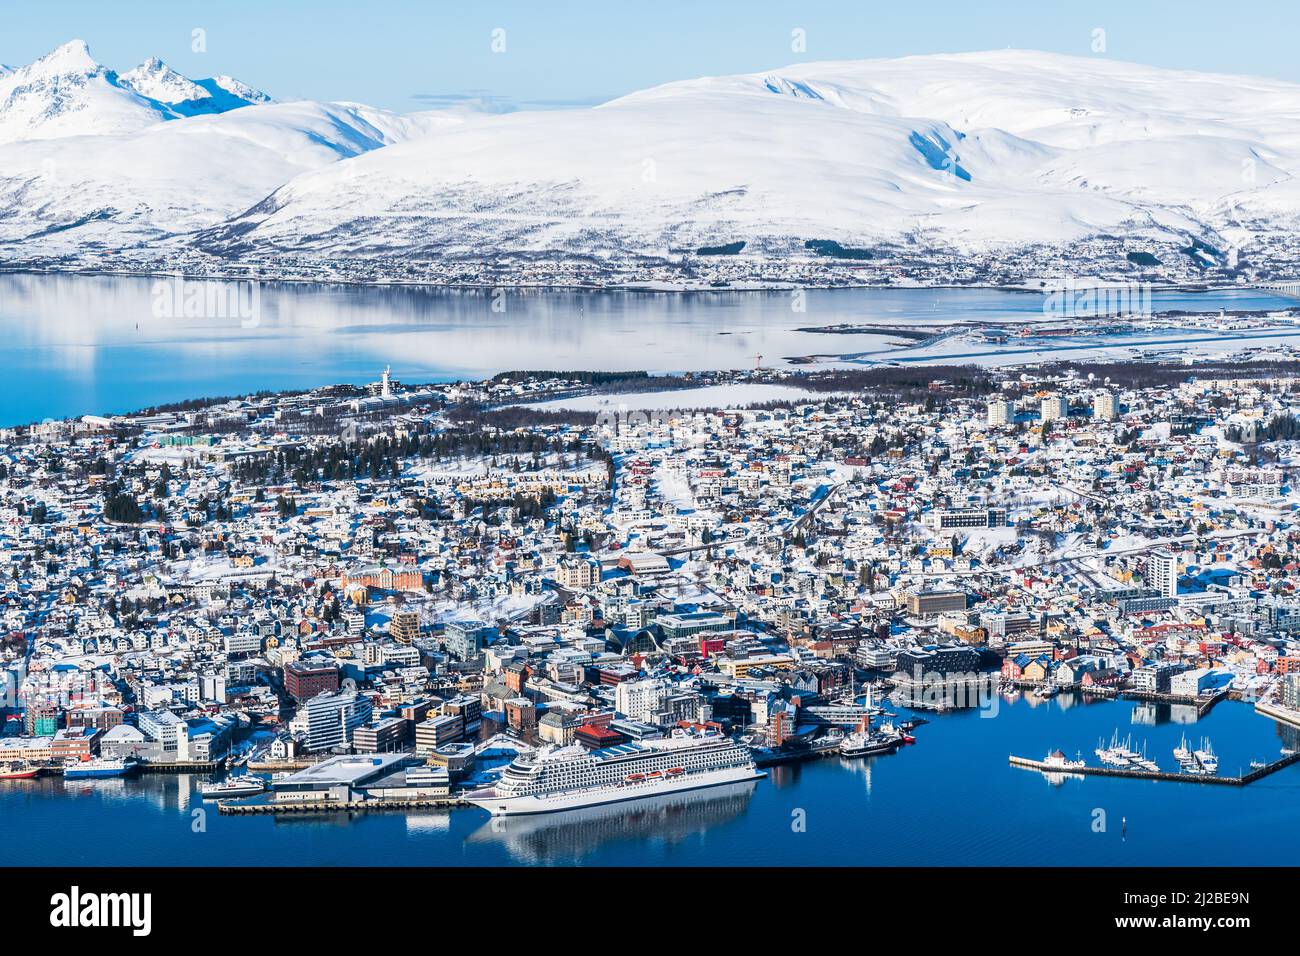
(18, 770)
(243, 785)
(98, 767)
(566, 778)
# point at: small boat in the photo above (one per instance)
(676, 771)
(18, 770)
(634, 777)
(1206, 757)
(1181, 753)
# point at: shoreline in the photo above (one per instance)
(649, 287)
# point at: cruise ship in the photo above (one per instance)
(566, 778)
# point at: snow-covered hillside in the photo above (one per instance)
(932, 153)
(107, 161)
(966, 151)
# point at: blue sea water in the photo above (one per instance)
(76, 345)
(951, 799)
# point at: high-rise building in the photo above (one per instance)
(1054, 407)
(1162, 573)
(330, 720)
(404, 626)
(999, 411)
(1104, 407)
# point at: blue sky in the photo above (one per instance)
(410, 55)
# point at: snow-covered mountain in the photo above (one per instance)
(90, 159)
(930, 153)
(66, 93)
(155, 80)
(965, 151)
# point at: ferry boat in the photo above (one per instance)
(866, 744)
(98, 767)
(566, 778)
(244, 785)
(18, 770)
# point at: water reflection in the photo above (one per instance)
(573, 835)
(73, 345)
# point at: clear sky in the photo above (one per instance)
(408, 54)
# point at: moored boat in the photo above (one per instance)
(98, 767)
(18, 770)
(243, 785)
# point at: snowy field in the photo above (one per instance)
(738, 395)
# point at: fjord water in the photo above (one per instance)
(75, 345)
(952, 799)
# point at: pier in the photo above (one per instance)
(337, 806)
(1278, 713)
(182, 766)
(1167, 775)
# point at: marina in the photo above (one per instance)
(1048, 765)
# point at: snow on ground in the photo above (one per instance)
(735, 395)
(674, 487)
(1136, 343)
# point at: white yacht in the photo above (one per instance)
(565, 778)
(246, 785)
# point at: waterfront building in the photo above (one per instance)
(331, 718)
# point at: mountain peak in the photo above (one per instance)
(156, 80)
(72, 57)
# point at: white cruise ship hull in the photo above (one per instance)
(503, 806)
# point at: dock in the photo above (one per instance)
(1166, 775)
(182, 766)
(227, 808)
(1278, 713)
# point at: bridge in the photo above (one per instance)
(1290, 289)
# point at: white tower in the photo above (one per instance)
(386, 391)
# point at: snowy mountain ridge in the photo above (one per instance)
(937, 155)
